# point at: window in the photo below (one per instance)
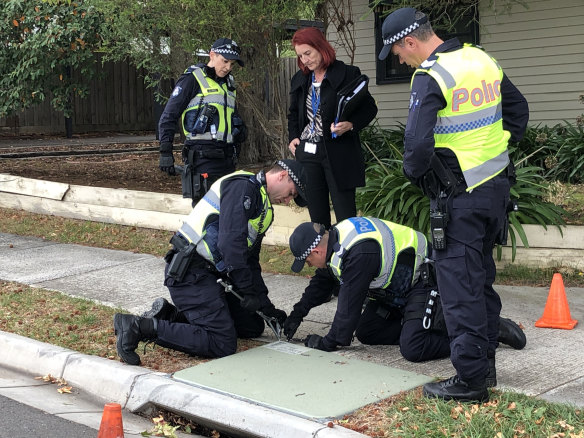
(390, 71)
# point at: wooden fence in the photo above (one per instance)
(119, 100)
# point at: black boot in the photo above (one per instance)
(491, 379)
(162, 309)
(130, 330)
(511, 334)
(457, 389)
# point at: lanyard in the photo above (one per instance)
(315, 102)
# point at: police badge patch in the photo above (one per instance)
(413, 98)
(247, 202)
(176, 91)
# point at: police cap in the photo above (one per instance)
(296, 173)
(303, 240)
(397, 25)
(228, 49)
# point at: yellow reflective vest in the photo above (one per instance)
(392, 239)
(205, 212)
(219, 97)
(471, 124)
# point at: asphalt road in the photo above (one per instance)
(21, 421)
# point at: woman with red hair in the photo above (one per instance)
(330, 152)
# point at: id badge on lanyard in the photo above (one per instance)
(310, 147)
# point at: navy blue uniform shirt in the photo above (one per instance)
(426, 100)
(241, 200)
(361, 264)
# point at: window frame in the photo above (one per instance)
(466, 33)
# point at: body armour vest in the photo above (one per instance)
(201, 225)
(220, 100)
(392, 239)
(471, 124)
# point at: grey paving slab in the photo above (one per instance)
(132, 284)
(300, 380)
(48, 262)
(10, 243)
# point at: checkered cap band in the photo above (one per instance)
(398, 36)
(291, 174)
(225, 50)
(308, 250)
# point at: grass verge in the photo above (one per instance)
(274, 259)
(85, 326)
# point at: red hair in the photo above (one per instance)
(314, 38)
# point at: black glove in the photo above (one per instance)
(291, 325)
(251, 300)
(317, 341)
(271, 312)
(166, 163)
(239, 132)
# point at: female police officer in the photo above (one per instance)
(204, 102)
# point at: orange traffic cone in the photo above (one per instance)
(557, 312)
(111, 422)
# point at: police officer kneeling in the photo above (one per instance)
(387, 264)
(220, 239)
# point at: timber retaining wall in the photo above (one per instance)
(547, 247)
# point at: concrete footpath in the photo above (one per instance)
(550, 366)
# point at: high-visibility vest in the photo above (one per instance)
(195, 224)
(471, 124)
(219, 97)
(392, 239)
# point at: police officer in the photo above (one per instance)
(204, 102)
(386, 263)
(463, 112)
(220, 239)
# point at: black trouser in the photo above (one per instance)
(320, 182)
(214, 319)
(215, 159)
(417, 344)
(466, 271)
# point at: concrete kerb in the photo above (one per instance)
(139, 389)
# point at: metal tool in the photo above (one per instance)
(271, 322)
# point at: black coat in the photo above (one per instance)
(344, 152)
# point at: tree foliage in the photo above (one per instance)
(166, 36)
(42, 44)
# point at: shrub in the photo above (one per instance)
(558, 151)
(389, 195)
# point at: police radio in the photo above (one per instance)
(438, 222)
(205, 116)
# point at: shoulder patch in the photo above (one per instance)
(247, 202)
(177, 90)
(414, 101)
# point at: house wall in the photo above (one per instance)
(541, 49)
